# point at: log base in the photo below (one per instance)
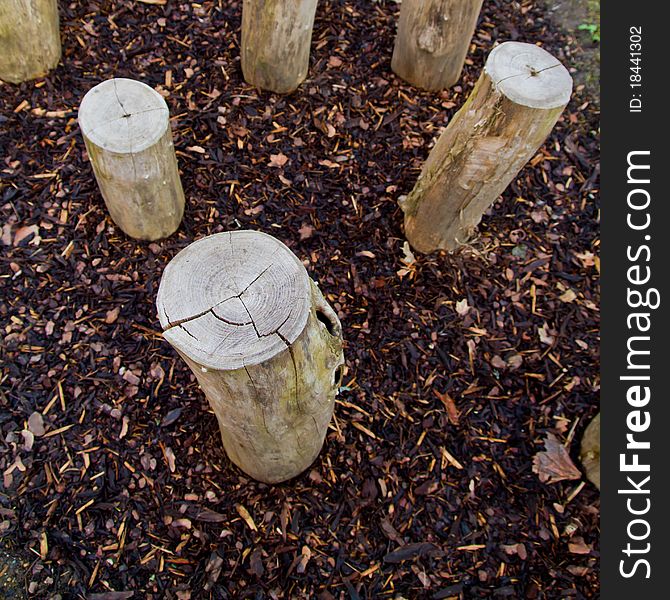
(263, 343)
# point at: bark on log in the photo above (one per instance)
(265, 346)
(276, 36)
(433, 40)
(126, 128)
(29, 39)
(512, 109)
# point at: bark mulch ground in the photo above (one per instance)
(458, 366)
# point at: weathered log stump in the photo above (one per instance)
(126, 128)
(433, 40)
(276, 36)
(29, 39)
(263, 343)
(515, 104)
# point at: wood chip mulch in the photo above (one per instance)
(114, 483)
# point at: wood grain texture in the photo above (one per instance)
(263, 343)
(29, 39)
(276, 38)
(433, 40)
(515, 104)
(126, 128)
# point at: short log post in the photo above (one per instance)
(29, 39)
(512, 109)
(263, 343)
(433, 40)
(126, 128)
(276, 36)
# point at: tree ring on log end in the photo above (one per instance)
(529, 75)
(233, 300)
(123, 116)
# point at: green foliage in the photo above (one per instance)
(593, 29)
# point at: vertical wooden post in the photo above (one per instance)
(126, 128)
(513, 108)
(29, 39)
(276, 35)
(263, 343)
(433, 40)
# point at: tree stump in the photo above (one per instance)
(29, 39)
(512, 109)
(126, 128)
(433, 40)
(276, 36)
(263, 343)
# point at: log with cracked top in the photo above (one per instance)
(126, 128)
(433, 40)
(275, 43)
(515, 104)
(263, 343)
(29, 39)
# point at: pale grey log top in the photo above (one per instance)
(233, 299)
(123, 116)
(529, 75)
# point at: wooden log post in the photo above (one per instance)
(126, 128)
(276, 36)
(515, 104)
(263, 343)
(433, 40)
(29, 39)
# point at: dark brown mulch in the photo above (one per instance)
(458, 366)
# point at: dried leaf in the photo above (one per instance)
(568, 296)
(170, 458)
(306, 231)
(36, 424)
(112, 315)
(545, 336)
(244, 513)
(171, 417)
(408, 256)
(554, 463)
(278, 160)
(23, 232)
(578, 546)
(462, 307)
(450, 406)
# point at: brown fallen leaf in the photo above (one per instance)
(278, 160)
(23, 232)
(112, 315)
(578, 546)
(450, 406)
(244, 513)
(306, 232)
(554, 463)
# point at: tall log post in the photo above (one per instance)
(263, 343)
(126, 128)
(276, 36)
(433, 40)
(512, 109)
(29, 39)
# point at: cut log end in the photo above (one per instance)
(529, 76)
(234, 300)
(123, 116)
